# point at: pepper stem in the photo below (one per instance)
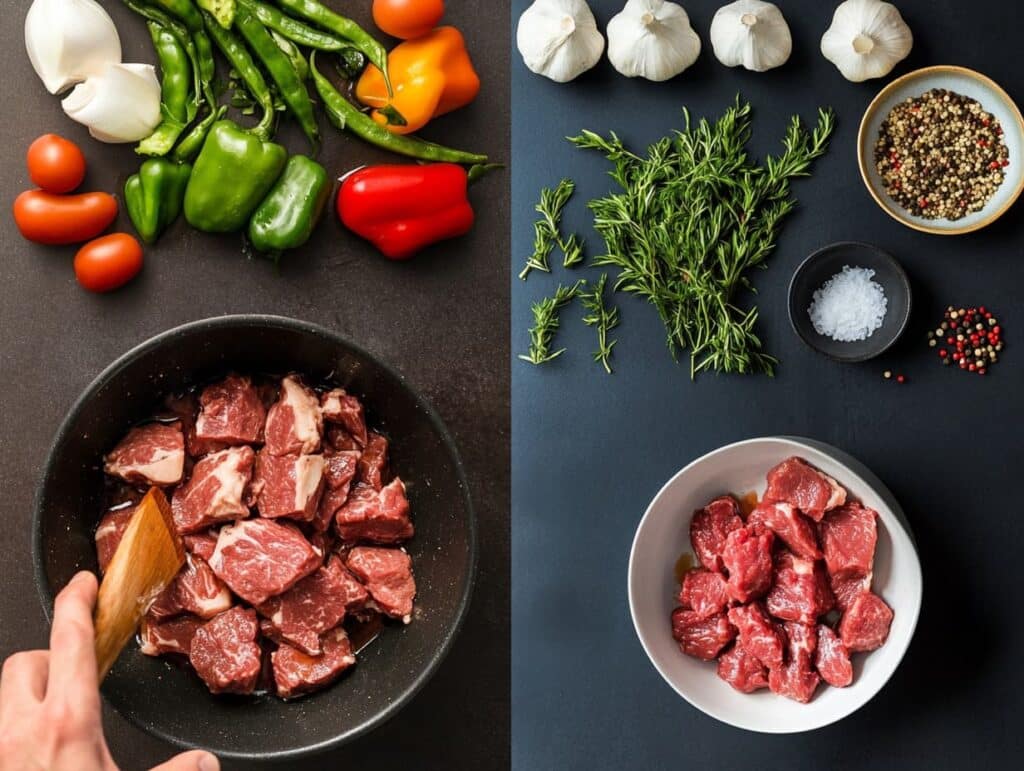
(863, 44)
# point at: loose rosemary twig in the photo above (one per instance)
(546, 234)
(602, 317)
(545, 323)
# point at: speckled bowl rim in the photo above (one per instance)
(264, 321)
(869, 113)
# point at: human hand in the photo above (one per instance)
(50, 702)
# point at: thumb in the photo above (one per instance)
(195, 760)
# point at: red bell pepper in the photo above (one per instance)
(403, 208)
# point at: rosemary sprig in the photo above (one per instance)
(602, 317)
(693, 216)
(545, 323)
(572, 249)
(545, 230)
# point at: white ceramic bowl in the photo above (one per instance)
(664, 534)
(966, 82)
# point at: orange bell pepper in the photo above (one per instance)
(430, 76)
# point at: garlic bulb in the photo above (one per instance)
(559, 39)
(652, 39)
(69, 40)
(751, 33)
(867, 39)
(121, 104)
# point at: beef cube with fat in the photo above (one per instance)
(345, 410)
(296, 672)
(387, 576)
(789, 526)
(201, 544)
(701, 637)
(195, 590)
(796, 679)
(230, 413)
(339, 440)
(294, 424)
(288, 485)
(224, 652)
(832, 659)
(747, 557)
(703, 592)
(373, 463)
(742, 670)
(314, 605)
(215, 492)
(375, 516)
(799, 590)
(261, 558)
(160, 637)
(845, 589)
(109, 532)
(757, 634)
(153, 454)
(865, 623)
(848, 538)
(801, 485)
(339, 471)
(709, 528)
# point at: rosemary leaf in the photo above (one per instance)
(602, 317)
(545, 230)
(545, 323)
(572, 249)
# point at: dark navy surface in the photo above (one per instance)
(590, 450)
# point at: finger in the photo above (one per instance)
(23, 679)
(196, 760)
(72, 647)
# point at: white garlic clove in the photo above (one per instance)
(652, 39)
(867, 39)
(69, 40)
(559, 39)
(121, 104)
(751, 33)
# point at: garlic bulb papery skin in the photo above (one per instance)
(69, 40)
(121, 104)
(559, 39)
(652, 39)
(751, 33)
(867, 39)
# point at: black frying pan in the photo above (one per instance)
(174, 704)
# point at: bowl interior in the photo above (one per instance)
(970, 84)
(663, 535)
(823, 265)
(176, 705)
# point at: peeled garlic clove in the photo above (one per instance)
(867, 39)
(652, 39)
(751, 33)
(69, 40)
(121, 104)
(559, 39)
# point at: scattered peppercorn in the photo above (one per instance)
(974, 350)
(901, 379)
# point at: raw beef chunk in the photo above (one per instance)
(338, 439)
(789, 525)
(847, 588)
(376, 516)
(311, 607)
(196, 590)
(741, 670)
(848, 538)
(347, 411)
(799, 590)
(748, 561)
(803, 486)
(288, 485)
(699, 637)
(294, 424)
(339, 471)
(260, 558)
(704, 592)
(170, 636)
(710, 526)
(296, 672)
(354, 594)
(832, 659)
(373, 463)
(387, 575)
(225, 654)
(201, 544)
(231, 412)
(796, 679)
(865, 624)
(215, 492)
(153, 454)
(758, 635)
(109, 532)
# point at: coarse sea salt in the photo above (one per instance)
(849, 306)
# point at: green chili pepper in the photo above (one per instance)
(190, 15)
(233, 173)
(222, 10)
(182, 35)
(176, 105)
(324, 17)
(345, 115)
(299, 63)
(290, 87)
(294, 30)
(287, 216)
(240, 58)
(193, 141)
(154, 195)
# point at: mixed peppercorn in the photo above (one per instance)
(969, 338)
(941, 155)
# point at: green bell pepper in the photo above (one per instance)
(233, 173)
(286, 217)
(153, 196)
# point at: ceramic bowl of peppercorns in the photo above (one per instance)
(941, 150)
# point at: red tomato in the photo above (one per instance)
(55, 164)
(47, 218)
(407, 19)
(109, 262)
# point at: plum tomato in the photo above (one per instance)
(407, 19)
(47, 218)
(55, 164)
(108, 262)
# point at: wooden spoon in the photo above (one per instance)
(148, 557)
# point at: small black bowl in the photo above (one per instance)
(823, 265)
(175, 705)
